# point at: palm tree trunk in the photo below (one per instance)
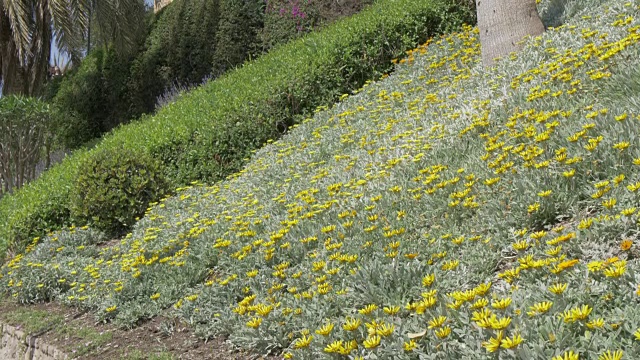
(503, 23)
(12, 77)
(89, 28)
(38, 67)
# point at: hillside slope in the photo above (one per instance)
(446, 212)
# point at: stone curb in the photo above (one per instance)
(15, 344)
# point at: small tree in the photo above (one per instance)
(24, 138)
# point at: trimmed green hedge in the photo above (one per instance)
(208, 133)
(186, 42)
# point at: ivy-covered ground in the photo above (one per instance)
(445, 212)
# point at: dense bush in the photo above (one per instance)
(114, 188)
(186, 42)
(212, 130)
(289, 19)
(110, 88)
(95, 96)
(285, 20)
(237, 34)
(179, 49)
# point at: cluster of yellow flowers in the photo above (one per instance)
(405, 220)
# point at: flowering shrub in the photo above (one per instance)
(448, 211)
(284, 20)
(290, 19)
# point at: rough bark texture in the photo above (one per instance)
(503, 23)
(9, 64)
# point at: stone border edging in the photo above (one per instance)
(15, 344)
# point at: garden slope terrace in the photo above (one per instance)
(447, 211)
(210, 132)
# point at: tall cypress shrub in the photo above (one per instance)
(97, 93)
(237, 36)
(178, 51)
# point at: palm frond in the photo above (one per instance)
(40, 47)
(70, 19)
(27, 28)
(18, 15)
(119, 21)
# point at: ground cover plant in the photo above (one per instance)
(210, 132)
(448, 211)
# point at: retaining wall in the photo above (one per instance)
(15, 344)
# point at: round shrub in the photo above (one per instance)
(113, 188)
